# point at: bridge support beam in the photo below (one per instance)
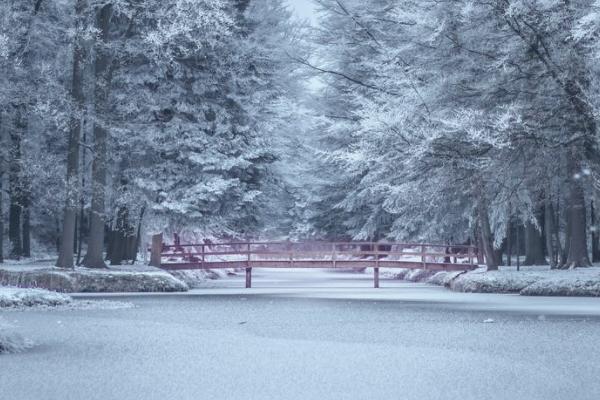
(248, 278)
(376, 277)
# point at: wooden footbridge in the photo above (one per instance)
(337, 255)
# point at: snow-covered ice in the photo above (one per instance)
(302, 334)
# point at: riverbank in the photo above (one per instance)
(529, 281)
(132, 278)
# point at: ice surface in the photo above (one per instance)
(311, 335)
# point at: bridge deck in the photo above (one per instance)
(339, 255)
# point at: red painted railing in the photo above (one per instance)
(334, 255)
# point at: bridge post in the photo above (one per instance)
(333, 255)
(156, 250)
(248, 278)
(376, 269)
(248, 270)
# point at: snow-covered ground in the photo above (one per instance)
(123, 278)
(529, 281)
(304, 334)
(17, 297)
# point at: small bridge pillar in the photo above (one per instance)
(376, 277)
(248, 277)
(156, 250)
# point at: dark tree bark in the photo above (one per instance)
(595, 236)
(577, 255)
(103, 76)
(534, 244)
(16, 182)
(509, 245)
(486, 236)
(551, 247)
(65, 257)
(2, 164)
(26, 224)
(138, 236)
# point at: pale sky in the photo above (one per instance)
(304, 9)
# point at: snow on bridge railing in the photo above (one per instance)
(260, 254)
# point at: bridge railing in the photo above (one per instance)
(313, 254)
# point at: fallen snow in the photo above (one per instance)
(136, 278)
(17, 297)
(197, 278)
(10, 341)
(530, 281)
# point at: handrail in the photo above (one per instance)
(313, 254)
(463, 246)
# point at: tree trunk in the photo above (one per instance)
(26, 224)
(67, 249)
(486, 236)
(16, 183)
(2, 166)
(94, 256)
(549, 232)
(509, 244)
(138, 236)
(595, 236)
(534, 244)
(577, 255)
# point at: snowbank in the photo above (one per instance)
(407, 274)
(480, 281)
(567, 283)
(16, 297)
(82, 280)
(196, 278)
(11, 342)
(530, 281)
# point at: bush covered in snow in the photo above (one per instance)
(196, 278)
(408, 274)
(15, 297)
(567, 283)
(11, 342)
(88, 280)
(532, 281)
(494, 281)
(443, 278)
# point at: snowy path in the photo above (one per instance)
(311, 335)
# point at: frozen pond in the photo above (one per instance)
(310, 335)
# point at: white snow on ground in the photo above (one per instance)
(12, 298)
(125, 278)
(529, 281)
(16, 297)
(10, 341)
(197, 278)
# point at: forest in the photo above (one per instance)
(458, 121)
